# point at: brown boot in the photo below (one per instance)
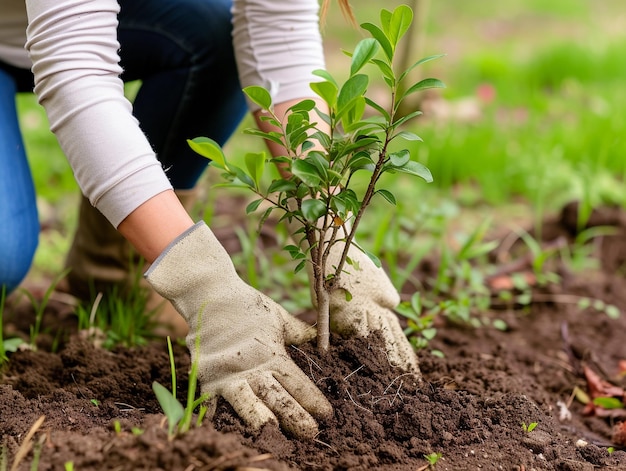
(102, 260)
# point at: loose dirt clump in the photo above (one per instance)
(472, 407)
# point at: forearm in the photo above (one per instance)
(73, 46)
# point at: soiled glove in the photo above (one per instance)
(371, 307)
(243, 334)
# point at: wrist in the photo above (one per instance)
(155, 224)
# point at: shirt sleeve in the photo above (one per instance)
(73, 47)
(277, 46)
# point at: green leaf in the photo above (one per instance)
(322, 138)
(313, 209)
(243, 177)
(295, 252)
(608, 402)
(171, 407)
(264, 216)
(419, 62)
(306, 145)
(500, 325)
(373, 258)
(364, 51)
(306, 172)
(327, 91)
(416, 302)
(385, 68)
(354, 88)
(300, 266)
(380, 36)
(354, 113)
(387, 195)
(385, 20)
(378, 108)
(423, 85)
(304, 105)
(318, 160)
(400, 159)
(208, 148)
(259, 95)
(280, 185)
(417, 169)
(270, 136)
(362, 142)
(399, 23)
(346, 202)
(255, 163)
(269, 119)
(429, 333)
(406, 118)
(12, 344)
(360, 160)
(409, 136)
(252, 207)
(326, 76)
(612, 311)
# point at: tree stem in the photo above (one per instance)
(323, 319)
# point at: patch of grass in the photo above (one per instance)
(40, 307)
(118, 318)
(179, 417)
(120, 315)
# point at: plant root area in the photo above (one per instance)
(545, 393)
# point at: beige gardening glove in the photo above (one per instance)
(243, 334)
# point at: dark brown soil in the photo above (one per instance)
(470, 408)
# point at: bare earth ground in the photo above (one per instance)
(470, 408)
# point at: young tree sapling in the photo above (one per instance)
(324, 148)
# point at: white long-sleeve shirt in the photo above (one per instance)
(72, 48)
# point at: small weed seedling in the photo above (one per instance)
(420, 324)
(40, 307)
(316, 191)
(179, 418)
(433, 458)
(530, 427)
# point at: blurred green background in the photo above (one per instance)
(532, 117)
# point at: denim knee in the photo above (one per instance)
(19, 225)
(17, 249)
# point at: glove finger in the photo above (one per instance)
(296, 332)
(399, 350)
(303, 390)
(247, 405)
(292, 417)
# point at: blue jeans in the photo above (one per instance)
(182, 52)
